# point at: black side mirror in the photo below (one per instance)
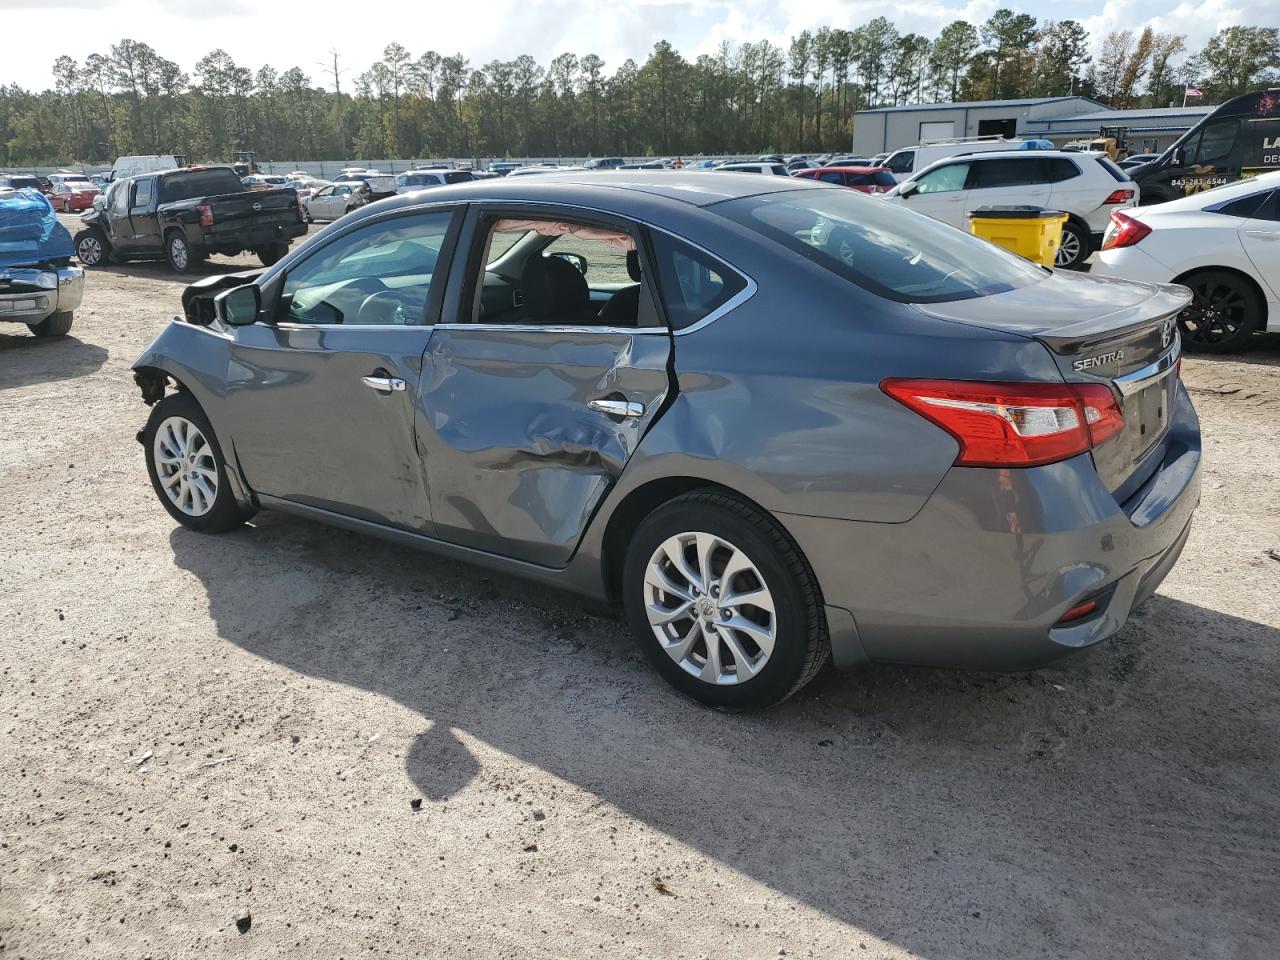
(239, 306)
(577, 260)
(1178, 158)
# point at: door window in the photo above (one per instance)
(693, 283)
(1216, 142)
(946, 179)
(1060, 169)
(901, 161)
(142, 192)
(832, 178)
(1006, 172)
(324, 192)
(379, 274)
(120, 199)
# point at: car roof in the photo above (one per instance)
(628, 193)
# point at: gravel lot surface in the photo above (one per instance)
(292, 741)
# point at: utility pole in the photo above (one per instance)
(333, 69)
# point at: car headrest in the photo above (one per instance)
(633, 265)
(553, 286)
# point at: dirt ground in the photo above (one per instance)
(370, 751)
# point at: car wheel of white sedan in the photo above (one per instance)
(1224, 311)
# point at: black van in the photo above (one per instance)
(1239, 139)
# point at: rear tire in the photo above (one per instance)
(1074, 248)
(763, 653)
(177, 251)
(272, 253)
(1224, 311)
(54, 325)
(92, 248)
(188, 456)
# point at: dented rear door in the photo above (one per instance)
(524, 429)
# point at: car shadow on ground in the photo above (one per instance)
(26, 359)
(955, 814)
(159, 269)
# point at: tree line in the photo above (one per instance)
(741, 99)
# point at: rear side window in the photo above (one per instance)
(1244, 207)
(1116, 173)
(779, 170)
(884, 178)
(1058, 169)
(1006, 173)
(458, 176)
(882, 247)
(692, 283)
(837, 178)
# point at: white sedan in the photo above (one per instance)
(1223, 244)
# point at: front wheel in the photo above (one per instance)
(55, 325)
(1073, 248)
(187, 468)
(722, 602)
(92, 248)
(1224, 310)
(177, 251)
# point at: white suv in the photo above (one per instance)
(1086, 188)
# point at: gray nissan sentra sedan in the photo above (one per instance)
(780, 422)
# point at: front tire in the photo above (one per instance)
(722, 603)
(54, 325)
(178, 252)
(92, 248)
(273, 253)
(187, 468)
(1225, 309)
(1074, 247)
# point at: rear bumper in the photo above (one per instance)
(31, 294)
(982, 575)
(1130, 263)
(254, 237)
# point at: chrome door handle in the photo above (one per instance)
(1264, 234)
(383, 384)
(617, 408)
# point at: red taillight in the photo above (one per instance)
(1125, 231)
(1014, 424)
(206, 215)
(1123, 195)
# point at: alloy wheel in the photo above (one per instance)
(1217, 312)
(710, 608)
(1068, 249)
(178, 253)
(185, 466)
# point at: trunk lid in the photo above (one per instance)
(233, 211)
(1099, 330)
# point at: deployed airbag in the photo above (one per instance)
(30, 233)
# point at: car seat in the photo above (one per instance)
(555, 292)
(623, 308)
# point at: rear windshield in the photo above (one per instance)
(893, 252)
(458, 176)
(199, 183)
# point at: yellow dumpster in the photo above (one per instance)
(1030, 232)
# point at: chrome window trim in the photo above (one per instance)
(1139, 379)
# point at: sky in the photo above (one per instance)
(286, 33)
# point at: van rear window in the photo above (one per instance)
(199, 183)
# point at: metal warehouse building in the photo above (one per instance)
(1059, 119)
(1150, 131)
(888, 128)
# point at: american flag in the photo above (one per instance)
(1193, 91)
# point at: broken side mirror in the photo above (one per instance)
(239, 306)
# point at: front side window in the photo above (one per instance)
(946, 179)
(1216, 141)
(901, 161)
(379, 274)
(693, 284)
(142, 192)
(119, 198)
(882, 247)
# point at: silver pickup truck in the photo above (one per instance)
(44, 298)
